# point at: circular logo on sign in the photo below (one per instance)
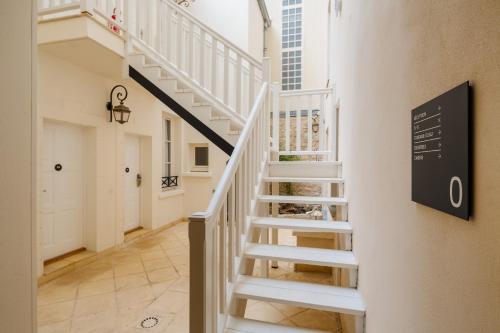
(58, 167)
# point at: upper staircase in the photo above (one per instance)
(203, 77)
(206, 79)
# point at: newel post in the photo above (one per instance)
(197, 272)
(86, 6)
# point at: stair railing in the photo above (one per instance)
(304, 123)
(218, 235)
(202, 59)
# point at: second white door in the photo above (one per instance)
(132, 179)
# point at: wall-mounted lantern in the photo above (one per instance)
(121, 112)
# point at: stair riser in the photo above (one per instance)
(338, 231)
(307, 262)
(152, 73)
(300, 304)
(220, 126)
(167, 85)
(318, 171)
(137, 60)
(310, 202)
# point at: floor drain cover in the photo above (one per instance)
(150, 322)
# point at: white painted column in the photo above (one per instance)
(18, 151)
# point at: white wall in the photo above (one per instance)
(239, 21)
(420, 270)
(18, 175)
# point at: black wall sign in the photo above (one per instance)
(441, 152)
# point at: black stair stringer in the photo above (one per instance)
(181, 111)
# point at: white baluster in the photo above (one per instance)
(321, 119)
(157, 28)
(276, 116)
(309, 123)
(287, 124)
(189, 50)
(202, 57)
(298, 125)
(222, 258)
(225, 97)
(178, 42)
(237, 72)
(231, 229)
(168, 31)
(251, 86)
(214, 66)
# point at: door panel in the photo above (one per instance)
(62, 190)
(132, 196)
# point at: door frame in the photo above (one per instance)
(84, 176)
(141, 191)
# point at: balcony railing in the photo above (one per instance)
(301, 123)
(169, 181)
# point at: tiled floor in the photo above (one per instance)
(149, 277)
(114, 293)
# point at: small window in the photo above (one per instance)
(167, 151)
(199, 157)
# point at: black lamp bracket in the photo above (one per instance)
(119, 95)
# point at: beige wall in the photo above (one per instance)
(72, 94)
(420, 270)
(314, 42)
(17, 178)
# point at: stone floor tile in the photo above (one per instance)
(127, 269)
(95, 304)
(131, 281)
(263, 311)
(60, 327)
(53, 313)
(162, 275)
(93, 288)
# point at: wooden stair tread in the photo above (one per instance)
(302, 224)
(302, 294)
(242, 325)
(302, 255)
(302, 199)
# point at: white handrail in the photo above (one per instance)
(230, 170)
(217, 235)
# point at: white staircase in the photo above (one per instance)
(222, 124)
(220, 87)
(344, 300)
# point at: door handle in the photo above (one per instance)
(138, 180)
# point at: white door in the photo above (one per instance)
(132, 171)
(62, 189)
